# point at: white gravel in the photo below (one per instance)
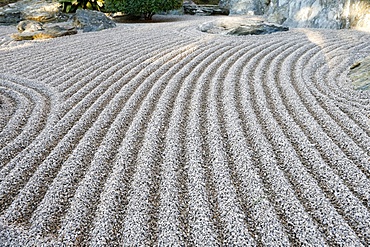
(159, 134)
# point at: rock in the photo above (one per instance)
(360, 74)
(358, 16)
(334, 14)
(43, 11)
(307, 13)
(193, 9)
(90, 20)
(10, 14)
(240, 26)
(46, 31)
(84, 19)
(241, 7)
(29, 26)
(258, 29)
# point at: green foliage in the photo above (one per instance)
(70, 6)
(143, 8)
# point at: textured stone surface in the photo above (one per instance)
(308, 13)
(43, 11)
(30, 30)
(10, 14)
(84, 19)
(240, 26)
(46, 33)
(360, 74)
(252, 7)
(29, 26)
(358, 15)
(333, 14)
(194, 9)
(89, 20)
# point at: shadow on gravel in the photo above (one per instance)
(155, 19)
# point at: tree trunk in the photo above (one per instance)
(148, 16)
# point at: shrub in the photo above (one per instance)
(72, 5)
(143, 8)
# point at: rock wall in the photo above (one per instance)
(254, 7)
(307, 13)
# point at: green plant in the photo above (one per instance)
(143, 8)
(70, 6)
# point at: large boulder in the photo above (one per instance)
(357, 15)
(251, 7)
(333, 14)
(241, 26)
(10, 14)
(90, 20)
(43, 11)
(307, 13)
(83, 19)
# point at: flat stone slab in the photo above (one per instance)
(360, 74)
(244, 25)
(31, 30)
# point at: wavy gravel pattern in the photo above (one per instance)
(157, 134)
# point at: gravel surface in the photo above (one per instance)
(159, 134)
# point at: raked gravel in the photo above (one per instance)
(159, 134)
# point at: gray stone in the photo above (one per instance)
(89, 20)
(29, 26)
(83, 19)
(29, 31)
(241, 26)
(10, 14)
(334, 14)
(258, 29)
(43, 11)
(251, 7)
(307, 13)
(193, 9)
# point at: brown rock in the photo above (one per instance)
(29, 26)
(46, 33)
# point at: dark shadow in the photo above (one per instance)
(155, 19)
(207, 2)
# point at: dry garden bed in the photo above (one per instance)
(160, 134)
